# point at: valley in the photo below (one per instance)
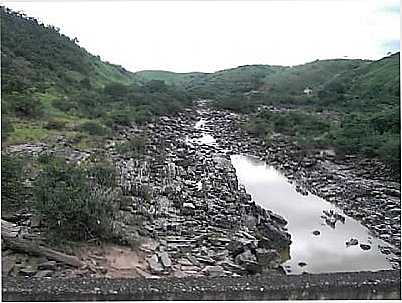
(203, 217)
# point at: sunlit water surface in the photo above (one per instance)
(326, 252)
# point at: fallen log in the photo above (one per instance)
(29, 247)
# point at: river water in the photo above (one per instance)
(317, 246)
(313, 253)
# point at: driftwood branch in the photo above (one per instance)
(9, 232)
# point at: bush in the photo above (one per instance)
(6, 128)
(55, 124)
(103, 174)
(65, 105)
(12, 187)
(26, 107)
(72, 205)
(94, 128)
(120, 117)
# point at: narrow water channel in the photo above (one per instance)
(317, 246)
(204, 138)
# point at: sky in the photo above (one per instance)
(206, 36)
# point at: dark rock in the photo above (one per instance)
(302, 264)
(316, 232)
(279, 238)
(48, 265)
(43, 274)
(268, 258)
(352, 242)
(365, 246)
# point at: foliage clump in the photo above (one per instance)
(13, 189)
(95, 129)
(79, 203)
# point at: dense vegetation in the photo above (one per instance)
(365, 98)
(52, 86)
(78, 202)
(13, 188)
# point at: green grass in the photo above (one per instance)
(25, 134)
(170, 78)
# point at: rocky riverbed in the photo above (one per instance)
(186, 215)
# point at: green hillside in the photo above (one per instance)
(39, 57)
(313, 75)
(365, 97)
(52, 86)
(169, 78)
(371, 85)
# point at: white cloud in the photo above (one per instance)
(208, 36)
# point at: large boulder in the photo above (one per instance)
(278, 237)
(248, 261)
(268, 258)
(154, 265)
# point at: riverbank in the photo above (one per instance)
(185, 215)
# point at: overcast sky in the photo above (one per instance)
(206, 36)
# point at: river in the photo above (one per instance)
(313, 253)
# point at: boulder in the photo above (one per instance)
(352, 242)
(279, 238)
(154, 265)
(166, 262)
(188, 208)
(268, 258)
(365, 246)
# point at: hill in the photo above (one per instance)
(273, 79)
(51, 86)
(363, 95)
(34, 54)
(372, 85)
(170, 78)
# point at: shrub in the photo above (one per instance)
(12, 187)
(94, 128)
(6, 128)
(26, 107)
(103, 174)
(55, 124)
(121, 118)
(72, 205)
(65, 105)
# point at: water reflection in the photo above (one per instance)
(325, 251)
